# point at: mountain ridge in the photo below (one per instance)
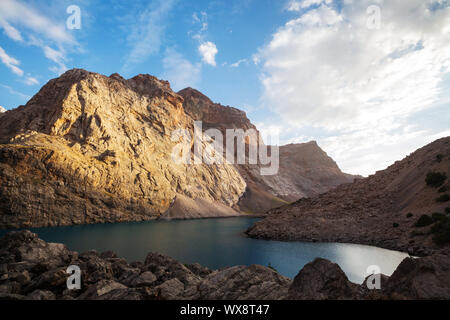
(381, 210)
(88, 148)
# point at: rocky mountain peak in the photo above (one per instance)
(213, 115)
(2, 109)
(113, 137)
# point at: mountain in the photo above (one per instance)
(2, 109)
(385, 209)
(305, 170)
(89, 148)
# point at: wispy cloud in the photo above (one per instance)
(56, 56)
(24, 24)
(10, 31)
(13, 64)
(15, 12)
(238, 63)
(31, 81)
(202, 19)
(207, 49)
(147, 32)
(179, 71)
(15, 92)
(10, 62)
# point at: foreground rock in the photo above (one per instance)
(32, 269)
(322, 280)
(381, 210)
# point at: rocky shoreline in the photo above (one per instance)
(32, 269)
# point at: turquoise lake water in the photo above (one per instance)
(217, 243)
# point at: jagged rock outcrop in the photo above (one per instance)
(35, 270)
(381, 210)
(305, 170)
(89, 148)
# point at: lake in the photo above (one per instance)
(217, 243)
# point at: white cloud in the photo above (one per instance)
(29, 80)
(14, 92)
(36, 29)
(58, 57)
(202, 20)
(326, 69)
(208, 51)
(10, 62)
(14, 12)
(238, 63)
(297, 5)
(13, 65)
(146, 34)
(10, 31)
(179, 71)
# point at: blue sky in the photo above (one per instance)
(301, 69)
(236, 27)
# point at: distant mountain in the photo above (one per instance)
(90, 149)
(305, 169)
(383, 209)
(2, 109)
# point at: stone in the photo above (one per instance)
(244, 283)
(145, 279)
(322, 280)
(100, 288)
(427, 278)
(41, 295)
(170, 290)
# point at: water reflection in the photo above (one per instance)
(218, 243)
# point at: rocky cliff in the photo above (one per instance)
(404, 207)
(305, 170)
(89, 148)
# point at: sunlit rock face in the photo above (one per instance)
(89, 148)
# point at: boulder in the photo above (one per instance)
(425, 278)
(244, 283)
(322, 280)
